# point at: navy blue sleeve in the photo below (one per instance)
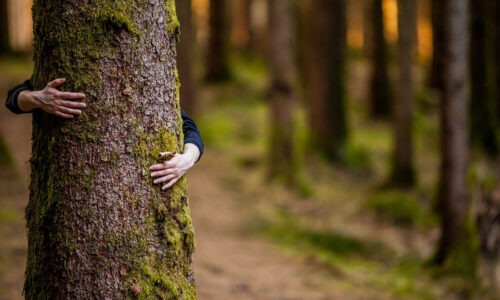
(191, 132)
(13, 94)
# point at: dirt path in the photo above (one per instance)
(229, 263)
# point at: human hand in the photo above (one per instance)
(55, 102)
(173, 169)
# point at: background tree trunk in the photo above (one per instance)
(380, 104)
(438, 47)
(403, 172)
(185, 57)
(216, 60)
(282, 65)
(482, 112)
(325, 82)
(4, 28)
(97, 226)
(457, 244)
(242, 32)
(495, 25)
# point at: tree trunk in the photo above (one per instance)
(4, 28)
(325, 82)
(282, 66)
(380, 105)
(482, 112)
(402, 172)
(458, 240)
(496, 27)
(216, 60)
(185, 57)
(438, 47)
(97, 226)
(242, 27)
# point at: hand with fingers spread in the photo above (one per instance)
(173, 169)
(51, 100)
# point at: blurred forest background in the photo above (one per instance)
(352, 147)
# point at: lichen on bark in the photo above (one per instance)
(97, 225)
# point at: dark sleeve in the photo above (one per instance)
(191, 132)
(12, 95)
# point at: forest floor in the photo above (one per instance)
(338, 235)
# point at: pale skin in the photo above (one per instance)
(63, 104)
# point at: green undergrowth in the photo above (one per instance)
(397, 275)
(400, 208)
(5, 155)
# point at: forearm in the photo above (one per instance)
(26, 101)
(192, 152)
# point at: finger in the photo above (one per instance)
(56, 82)
(63, 115)
(162, 172)
(162, 166)
(166, 186)
(69, 96)
(74, 104)
(68, 110)
(165, 153)
(164, 178)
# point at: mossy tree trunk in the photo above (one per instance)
(457, 247)
(438, 38)
(325, 80)
(218, 42)
(403, 172)
(380, 94)
(185, 57)
(482, 113)
(282, 66)
(4, 28)
(97, 226)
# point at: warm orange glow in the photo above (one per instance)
(390, 10)
(355, 38)
(200, 16)
(20, 24)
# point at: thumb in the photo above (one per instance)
(56, 82)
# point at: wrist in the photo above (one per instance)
(26, 101)
(191, 152)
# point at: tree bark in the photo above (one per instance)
(216, 60)
(403, 172)
(4, 28)
(482, 112)
(97, 226)
(438, 47)
(380, 105)
(282, 66)
(457, 243)
(185, 57)
(325, 82)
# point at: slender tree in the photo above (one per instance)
(380, 94)
(217, 51)
(403, 172)
(242, 34)
(457, 242)
(185, 57)
(97, 226)
(325, 80)
(495, 25)
(4, 27)
(482, 112)
(282, 89)
(438, 36)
